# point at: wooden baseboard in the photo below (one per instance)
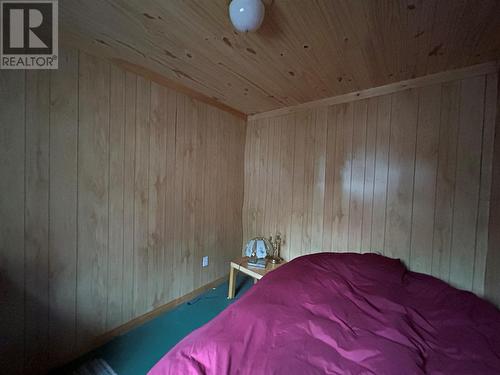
(120, 330)
(159, 310)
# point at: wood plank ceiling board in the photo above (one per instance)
(304, 51)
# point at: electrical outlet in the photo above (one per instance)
(204, 261)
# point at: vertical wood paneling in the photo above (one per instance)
(156, 203)
(445, 181)
(297, 189)
(227, 133)
(224, 235)
(113, 189)
(308, 183)
(141, 198)
(269, 213)
(63, 206)
(262, 171)
(255, 183)
(12, 196)
(357, 176)
(490, 113)
(492, 276)
(248, 176)
(170, 214)
(342, 184)
(466, 194)
(187, 119)
(129, 197)
(116, 198)
(273, 176)
(424, 189)
(197, 194)
(198, 191)
(381, 173)
(218, 184)
(36, 215)
(318, 193)
(403, 174)
(251, 179)
(210, 202)
(238, 180)
(287, 149)
(330, 168)
(369, 178)
(93, 200)
(179, 195)
(184, 160)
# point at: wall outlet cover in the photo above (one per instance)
(204, 262)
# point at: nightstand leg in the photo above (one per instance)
(232, 283)
(255, 281)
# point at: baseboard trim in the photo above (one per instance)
(120, 330)
(159, 310)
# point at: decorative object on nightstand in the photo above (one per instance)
(276, 246)
(258, 250)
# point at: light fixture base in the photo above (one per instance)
(246, 15)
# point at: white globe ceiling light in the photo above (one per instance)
(246, 15)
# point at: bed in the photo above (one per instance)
(344, 313)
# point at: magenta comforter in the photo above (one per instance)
(344, 314)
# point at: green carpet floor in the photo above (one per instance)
(138, 350)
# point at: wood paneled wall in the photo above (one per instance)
(407, 174)
(492, 281)
(112, 189)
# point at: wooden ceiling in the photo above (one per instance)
(305, 50)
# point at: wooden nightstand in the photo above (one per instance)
(241, 264)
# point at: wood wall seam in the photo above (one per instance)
(492, 279)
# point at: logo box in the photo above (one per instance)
(29, 34)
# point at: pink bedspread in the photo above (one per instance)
(344, 314)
